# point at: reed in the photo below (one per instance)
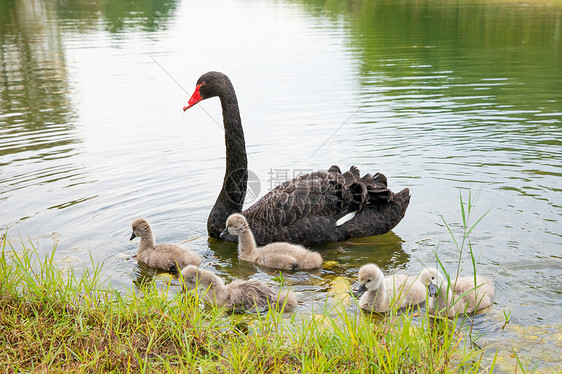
(462, 245)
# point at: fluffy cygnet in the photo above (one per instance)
(170, 257)
(464, 296)
(380, 294)
(278, 255)
(240, 295)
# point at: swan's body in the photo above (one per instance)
(304, 210)
(240, 295)
(380, 294)
(278, 255)
(169, 257)
(464, 296)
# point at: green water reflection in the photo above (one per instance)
(117, 16)
(35, 94)
(514, 41)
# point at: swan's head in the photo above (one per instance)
(370, 279)
(194, 277)
(431, 278)
(141, 228)
(190, 276)
(236, 224)
(208, 85)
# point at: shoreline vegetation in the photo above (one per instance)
(52, 321)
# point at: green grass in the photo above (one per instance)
(52, 321)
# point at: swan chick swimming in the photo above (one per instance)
(464, 296)
(240, 295)
(169, 257)
(279, 255)
(379, 293)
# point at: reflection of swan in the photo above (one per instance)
(240, 295)
(314, 208)
(465, 296)
(380, 294)
(169, 257)
(279, 255)
(386, 250)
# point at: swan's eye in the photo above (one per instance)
(201, 84)
(432, 278)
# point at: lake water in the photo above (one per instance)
(447, 98)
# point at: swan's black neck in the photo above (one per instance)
(231, 197)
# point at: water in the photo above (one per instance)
(445, 98)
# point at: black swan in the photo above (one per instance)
(320, 207)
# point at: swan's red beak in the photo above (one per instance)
(195, 98)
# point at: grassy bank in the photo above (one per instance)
(52, 321)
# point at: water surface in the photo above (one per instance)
(445, 98)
